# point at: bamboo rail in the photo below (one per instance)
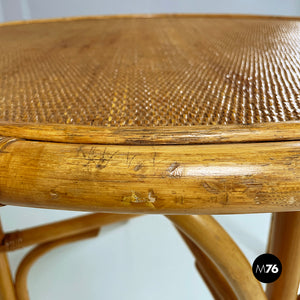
(36, 253)
(199, 179)
(284, 242)
(215, 281)
(45, 233)
(7, 290)
(214, 241)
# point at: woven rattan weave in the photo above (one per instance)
(162, 71)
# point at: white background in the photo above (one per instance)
(143, 258)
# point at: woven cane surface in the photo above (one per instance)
(163, 71)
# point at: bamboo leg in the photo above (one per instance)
(36, 253)
(45, 233)
(271, 232)
(211, 275)
(214, 241)
(284, 242)
(7, 290)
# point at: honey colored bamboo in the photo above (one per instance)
(7, 290)
(215, 281)
(214, 241)
(271, 232)
(173, 135)
(36, 253)
(285, 244)
(202, 179)
(41, 234)
(80, 137)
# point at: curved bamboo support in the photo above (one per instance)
(36, 253)
(7, 290)
(170, 135)
(284, 242)
(211, 275)
(214, 241)
(183, 179)
(45, 233)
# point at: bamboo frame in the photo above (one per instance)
(284, 242)
(173, 135)
(218, 259)
(199, 179)
(46, 233)
(154, 177)
(215, 281)
(49, 236)
(214, 241)
(7, 290)
(36, 253)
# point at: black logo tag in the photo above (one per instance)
(267, 268)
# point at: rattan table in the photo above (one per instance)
(180, 115)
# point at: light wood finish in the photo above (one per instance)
(87, 126)
(202, 179)
(215, 281)
(271, 233)
(213, 240)
(173, 135)
(7, 291)
(36, 253)
(285, 244)
(45, 233)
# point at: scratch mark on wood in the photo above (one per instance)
(138, 167)
(135, 197)
(53, 194)
(154, 156)
(93, 160)
(210, 188)
(129, 159)
(174, 170)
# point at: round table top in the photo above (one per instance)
(158, 114)
(162, 79)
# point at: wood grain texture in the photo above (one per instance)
(36, 253)
(174, 135)
(46, 233)
(214, 241)
(202, 179)
(7, 289)
(213, 278)
(284, 242)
